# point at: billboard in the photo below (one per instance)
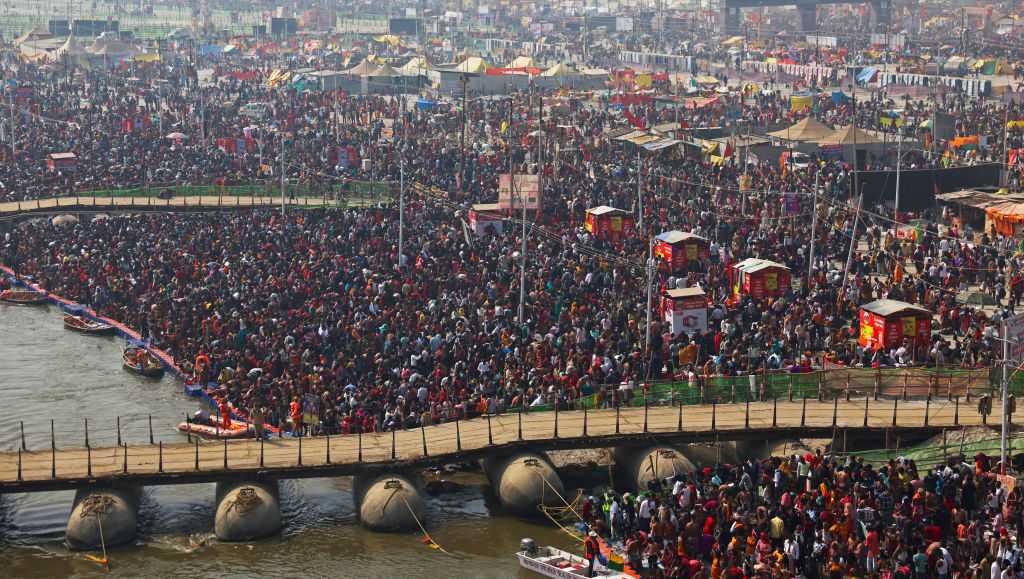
(93, 28)
(404, 26)
(525, 186)
(623, 24)
(1015, 334)
(283, 26)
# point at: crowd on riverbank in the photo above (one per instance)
(817, 516)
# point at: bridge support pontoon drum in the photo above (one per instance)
(639, 465)
(103, 516)
(388, 502)
(524, 481)
(247, 510)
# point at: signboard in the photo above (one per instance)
(890, 41)
(623, 24)
(689, 315)
(1015, 334)
(511, 193)
(822, 41)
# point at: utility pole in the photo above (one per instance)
(639, 191)
(401, 207)
(650, 291)
(814, 227)
(899, 160)
(284, 179)
(462, 143)
(1003, 427)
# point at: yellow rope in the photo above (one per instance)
(431, 540)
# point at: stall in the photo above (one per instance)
(685, 310)
(759, 279)
(61, 162)
(608, 223)
(676, 250)
(486, 215)
(885, 323)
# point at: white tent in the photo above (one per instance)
(560, 69)
(473, 64)
(418, 66)
(523, 62)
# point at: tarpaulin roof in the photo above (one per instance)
(675, 236)
(754, 265)
(560, 69)
(522, 62)
(604, 209)
(849, 135)
(887, 308)
(809, 129)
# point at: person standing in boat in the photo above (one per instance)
(590, 551)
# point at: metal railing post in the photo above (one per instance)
(300, 447)
(746, 415)
(645, 411)
(458, 434)
(556, 422)
(714, 414)
(423, 433)
(956, 412)
(119, 431)
(520, 425)
(927, 407)
(394, 449)
(151, 429)
(125, 447)
(679, 424)
(617, 410)
(895, 406)
(226, 454)
(835, 411)
(261, 452)
(197, 454)
(584, 420)
(328, 449)
(188, 428)
(86, 432)
(490, 436)
(160, 464)
(53, 451)
(19, 464)
(867, 400)
(23, 447)
(88, 461)
(775, 412)
(803, 411)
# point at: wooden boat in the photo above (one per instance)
(87, 326)
(559, 564)
(139, 361)
(22, 297)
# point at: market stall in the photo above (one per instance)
(685, 310)
(759, 279)
(885, 323)
(608, 223)
(676, 250)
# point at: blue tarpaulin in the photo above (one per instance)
(866, 75)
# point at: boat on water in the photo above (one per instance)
(22, 297)
(139, 361)
(559, 564)
(84, 325)
(211, 426)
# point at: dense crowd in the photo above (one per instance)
(815, 516)
(319, 306)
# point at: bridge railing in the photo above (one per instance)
(821, 384)
(44, 468)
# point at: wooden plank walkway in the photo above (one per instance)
(67, 468)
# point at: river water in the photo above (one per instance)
(47, 372)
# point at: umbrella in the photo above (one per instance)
(976, 298)
(177, 136)
(65, 219)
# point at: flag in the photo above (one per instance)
(609, 558)
(504, 127)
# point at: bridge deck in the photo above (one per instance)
(42, 470)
